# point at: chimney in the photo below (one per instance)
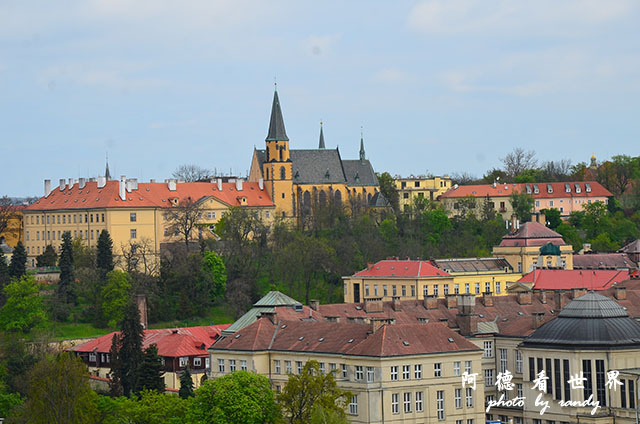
(514, 223)
(63, 184)
(270, 315)
(314, 304)
(261, 184)
(395, 303)
(70, 183)
(466, 303)
(376, 324)
(82, 183)
(121, 191)
(487, 299)
(431, 301)
(620, 293)
(142, 307)
(373, 304)
(102, 181)
(152, 180)
(538, 319)
(452, 301)
(467, 319)
(543, 296)
(560, 300)
(172, 184)
(47, 188)
(238, 184)
(524, 298)
(578, 292)
(219, 184)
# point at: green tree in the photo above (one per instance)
(309, 390)
(59, 392)
(553, 217)
(603, 243)
(239, 397)
(47, 258)
(18, 265)
(149, 407)
(151, 371)
(4, 277)
(116, 295)
(104, 256)
(216, 273)
(23, 309)
(186, 384)
(522, 204)
(570, 235)
(65, 293)
(127, 348)
(15, 361)
(389, 190)
(319, 415)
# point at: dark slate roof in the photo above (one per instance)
(359, 172)
(591, 321)
(276, 124)
(473, 264)
(633, 247)
(317, 166)
(379, 201)
(321, 142)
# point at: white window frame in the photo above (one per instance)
(469, 397)
(394, 373)
(437, 369)
(220, 365)
(440, 404)
(288, 367)
(407, 402)
(417, 371)
(232, 365)
(406, 372)
(359, 373)
(371, 375)
(353, 405)
(197, 362)
(456, 369)
(243, 364)
(503, 359)
(518, 361)
(276, 366)
(457, 398)
(488, 349)
(395, 404)
(419, 402)
(183, 361)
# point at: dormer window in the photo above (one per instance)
(528, 187)
(567, 188)
(549, 188)
(536, 190)
(578, 188)
(587, 187)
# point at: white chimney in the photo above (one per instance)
(132, 183)
(239, 184)
(102, 181)
(47, 188)
(261, 184)
(122, 188)
(152, 181)
(172, 185)
(219, 184)
(63, 184)
(70, 183)
(82, 183)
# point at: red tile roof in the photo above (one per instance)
(532, 234)
(156, 195)
(505, 190)
(565, 279)
(171, 342)
(401, 268)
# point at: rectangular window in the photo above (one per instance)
(588, 383)
(623, 394)
(359, 373)
(632, 394)
(37, 235)
(425, 291)
(375, 290)
(519, 391)
(467, 367)
(487, 287)
(518, 361)
(38, 220)
(419, 407)
(64, 219)
(470, 421)
(299, 366)
(394, 290)
(243, 364)
(370, 375)
(557, 379)
(456, 368)
(344, 371)
(197, 362)
(384, 290)
(332, 369)
(435, 290)
(102, 217)
(132, 217)
(437, 370)
(488, 377)
(232, 365)
(322, 368)
(406, 372)
(91, 215)
(287, 365)
(276, 366)
(488, 349)
(58, 218)
(497, 286)
(220, 365)
(92, 357)
(477, 285)
(413, 291)
(366, 290)
(395, 404)
(440, 404)
(456, 289)
(353, 405)
(600, 388)
(394, 373)
(457, 398)
(417, 371)
(407, 402)
(404, 291)
(567, 377)
(466, 288)
(549, 373)
(503, 360)
(532, 369)
(134, 233)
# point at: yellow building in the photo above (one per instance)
(416, 279)
(299, 179)
(429, 188)
(134, 214)
(11, 224)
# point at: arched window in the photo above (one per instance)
(283, 173)
(338, 197)
(306, 202)
(267, 174)
(322, 198)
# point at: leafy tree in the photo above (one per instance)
(570, 235)
(9, 402)
(495, 176)
(4, 277)
(15, 361)
(186, 384)
(192, 173)
(530, 176)
(603, 243)
(115, 373)
(553, 217)
(59, 392)
(522, 204)
(65, 293)
(23, 309)
(239, 397)
(18, 265)
(47, 258)
(116, 296)
(389, 190)
(104, 257)
(151, 371)
(127, 348)
(319, 415)
(309, 390)
(150, 407)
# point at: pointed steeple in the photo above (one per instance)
(276, 124)
(321, 143)
(107, 174)
(362, 154)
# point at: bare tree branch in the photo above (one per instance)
(519, 160)
(191, 173)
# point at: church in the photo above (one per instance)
(299, 179)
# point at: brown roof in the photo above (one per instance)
(532, 234)
(633, 247)
(603, 261)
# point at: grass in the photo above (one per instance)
(66, 330)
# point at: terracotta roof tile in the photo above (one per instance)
(532, 234)
(401, 268)
(505, 190)
(567, 279)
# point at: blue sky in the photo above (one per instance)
(440, 86)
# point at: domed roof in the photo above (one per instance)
(591, 321)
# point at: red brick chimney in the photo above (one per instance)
(373, 304)
(538, 319)
(487, 299)
(395, 303)
(560, 300)
(430, 301)
(314, 304)
(620, 293)
(467, 319)
(452, 301)
(524, 298)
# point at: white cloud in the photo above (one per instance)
(540, 17)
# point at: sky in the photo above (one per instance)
(435, 86)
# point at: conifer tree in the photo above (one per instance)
(151, 372)
(18, 266)
(115, 374)
(130, 348)
(186, 384)
(104, 257)
(4, 277)
(65, 296)
(48, 258)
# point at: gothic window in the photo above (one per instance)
(338, 197)
(283, 173)
(322, 198)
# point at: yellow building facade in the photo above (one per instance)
(429, 188)
(11, 218)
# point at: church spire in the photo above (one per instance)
(362, 154)
(321, 143)
(276, 124)
(107, 174)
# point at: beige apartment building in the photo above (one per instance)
(429, 188)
